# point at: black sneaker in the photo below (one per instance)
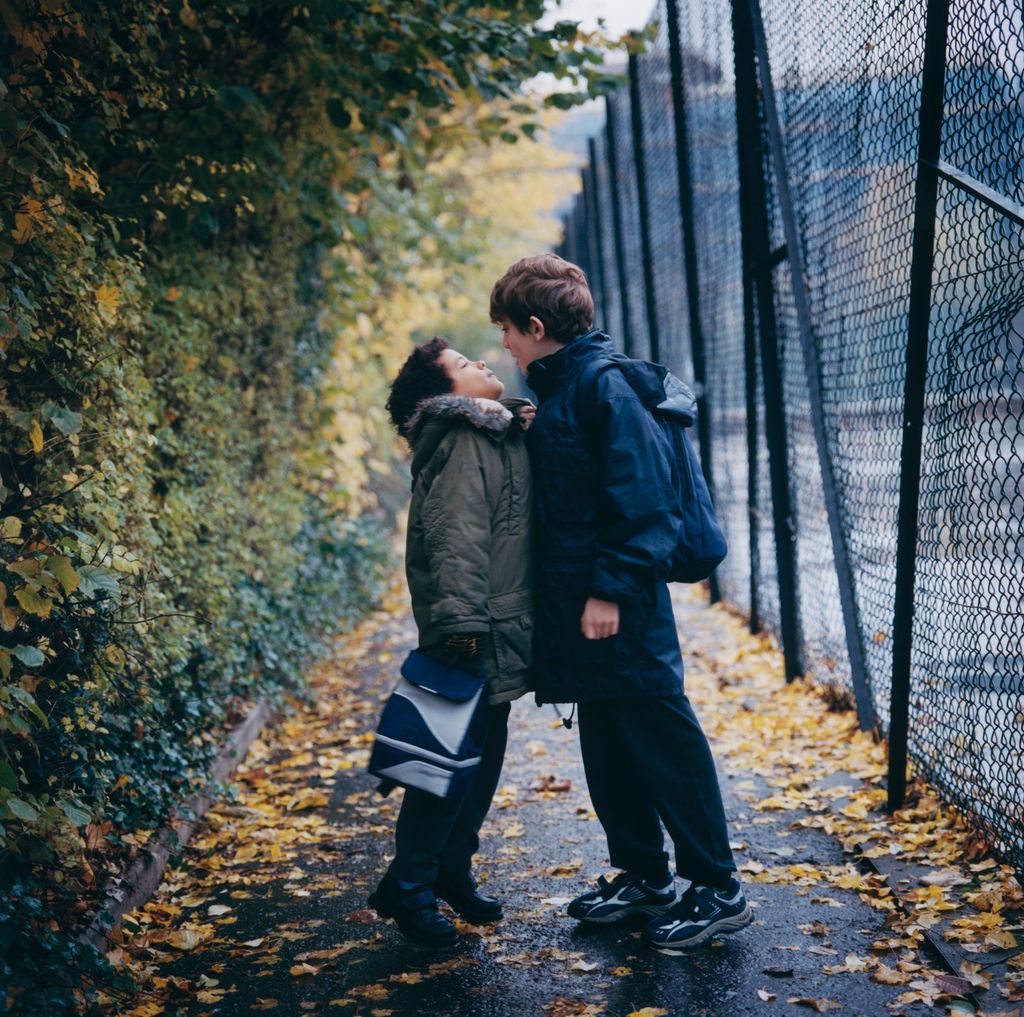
(702, 913)
(415, 913)
(623, 897)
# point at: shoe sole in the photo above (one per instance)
(385, 912)
(733, 924)
(648, 910)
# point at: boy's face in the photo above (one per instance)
(470, 377)
(525, 346)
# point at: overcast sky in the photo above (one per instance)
(620, 15)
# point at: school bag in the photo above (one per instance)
(701, 546)
(432, 728)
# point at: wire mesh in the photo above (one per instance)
(968, 667)
(847, 77)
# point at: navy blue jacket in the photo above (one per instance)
(606, 521)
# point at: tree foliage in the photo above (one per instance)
(217, 223)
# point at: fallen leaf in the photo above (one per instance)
(821, 1005)
(887, 976)
(765, 995)
(953, 985)
(298, 970)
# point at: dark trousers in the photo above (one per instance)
(433, 834)
(647, 759)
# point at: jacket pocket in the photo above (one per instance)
(512, 629)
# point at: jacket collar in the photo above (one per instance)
(549, 373)
(436, 416)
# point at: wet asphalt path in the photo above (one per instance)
(540, 848)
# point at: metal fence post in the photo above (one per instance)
(617, 230)
(686, 217)
(646, 253)
(921, 268)
(595, 216)
(759, 267)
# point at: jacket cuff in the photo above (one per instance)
(463, 627)
(617, 586)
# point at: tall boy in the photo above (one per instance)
(606, 518)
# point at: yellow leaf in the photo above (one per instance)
(28, 214)
(10, 528)
(302, 969)
(649, 1011)
(188, 937)
(36, 437)
(109, 298)
(173, 294)
(32, 601)
(60, 566)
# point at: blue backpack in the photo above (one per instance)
(701, 547)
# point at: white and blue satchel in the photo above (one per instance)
(431, 731)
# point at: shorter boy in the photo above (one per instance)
(468, 563)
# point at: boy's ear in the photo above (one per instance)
(536, 329)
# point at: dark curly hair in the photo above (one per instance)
(421, 377)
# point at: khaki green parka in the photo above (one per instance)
(468, 555)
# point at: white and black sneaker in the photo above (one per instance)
(702, 913)
(624, 896)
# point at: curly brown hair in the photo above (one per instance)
(547, 287)
(421, 377)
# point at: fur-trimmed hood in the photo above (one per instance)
(434, 418)
(486, 414)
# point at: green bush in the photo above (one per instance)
(210, 216)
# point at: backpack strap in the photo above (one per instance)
(586, 388)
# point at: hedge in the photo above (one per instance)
(217, 223)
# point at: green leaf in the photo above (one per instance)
(60, 566)
(24, 697)
(30, 656)
(93, 579)
(21, 809)
(76, 814)
(8, 778)
(563, 100)
(64, 419)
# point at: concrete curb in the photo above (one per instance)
(139, 881)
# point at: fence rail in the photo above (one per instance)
(812, 211)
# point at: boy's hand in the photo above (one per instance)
(600, 619)
(526, 414)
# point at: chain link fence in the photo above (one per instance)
(812, 212)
